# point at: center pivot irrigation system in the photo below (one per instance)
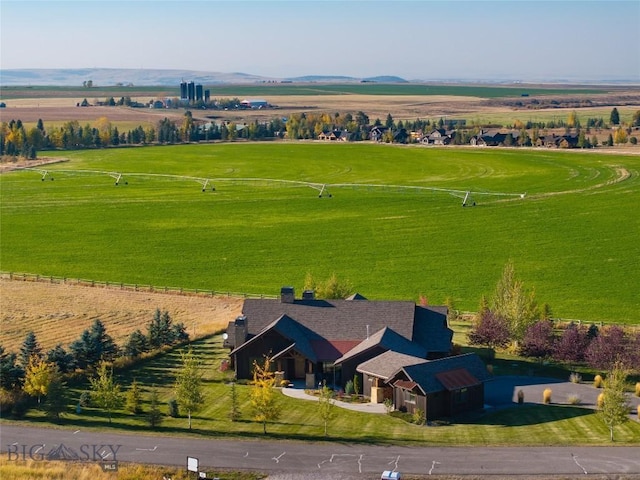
(467, 196)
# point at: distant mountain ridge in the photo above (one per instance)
(68, 77)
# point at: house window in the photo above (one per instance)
(409, 397)
(461, 396)
(327, 367)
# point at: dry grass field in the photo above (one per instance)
(54, 110)
(58, 313)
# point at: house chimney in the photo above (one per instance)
(308, 295)
(241, 330)
(287, 295)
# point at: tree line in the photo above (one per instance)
(513, 319)
(16, 140)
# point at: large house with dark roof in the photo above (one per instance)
(401, 350)
(318, 340)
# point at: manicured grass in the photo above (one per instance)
(522, 425)
(573, 238)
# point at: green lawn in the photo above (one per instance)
(574, 238)
(524, 425)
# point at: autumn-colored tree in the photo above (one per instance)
(331, 288)
(490, 329)
(538, 340)
(266, 407)
(511, 302)
(37, 377)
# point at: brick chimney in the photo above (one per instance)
(241, 330)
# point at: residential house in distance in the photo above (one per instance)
(335, 136)
(439, 136)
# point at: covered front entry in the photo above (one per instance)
(294, 366)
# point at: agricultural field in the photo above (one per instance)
(393, 226)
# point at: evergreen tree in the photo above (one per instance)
(11, 374)
(133, 399)
(30, 348)
(56, 401)
(137, 344)
(154, 417)
(615, 117)
(59, 356)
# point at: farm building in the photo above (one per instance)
(254, 103)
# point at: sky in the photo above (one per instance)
(415, 39)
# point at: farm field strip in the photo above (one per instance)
(389, 242)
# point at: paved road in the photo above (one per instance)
(284, 459)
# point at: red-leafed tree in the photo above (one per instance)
(572, 344)
(490, 330)
(538, 340)
(610, 346)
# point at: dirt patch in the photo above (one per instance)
(58, 313)
(8, 164)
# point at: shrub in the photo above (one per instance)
(348, 388)
(597, 381)
(418, 417)
(173, 408)
(284, 383)
(546, 396)
(85, 399)
(600, 401)
(388, 405)
(520, 397)
(574, 399)
(575, 377)
(638, 389)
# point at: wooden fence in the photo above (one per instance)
(30, 277)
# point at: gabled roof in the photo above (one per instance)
(333, 319)
(430, 328)
(425, 375)
(388, 340)
(356, 296)
(289, 329)
(387, 363)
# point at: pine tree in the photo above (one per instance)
(30, 347)
(133, 400)
(56, 401)
(154, 417)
